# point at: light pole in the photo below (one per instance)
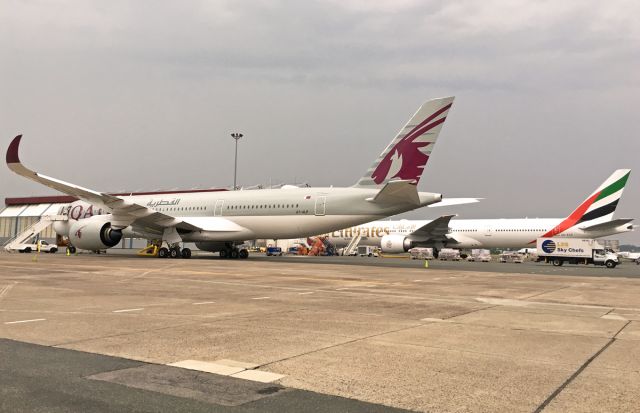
(237, 137)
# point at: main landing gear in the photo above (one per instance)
(234, 252)
(174, 252)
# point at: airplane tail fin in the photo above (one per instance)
(601, 204)
(598, 207)
(407, 154)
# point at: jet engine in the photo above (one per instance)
(94, 233)
(395, 243)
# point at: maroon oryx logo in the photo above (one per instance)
(406, 159)
(79, 233)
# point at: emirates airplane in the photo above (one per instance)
(593, 218)
(221, 220)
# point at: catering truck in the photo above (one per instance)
(575, 251)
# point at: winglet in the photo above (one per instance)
(12, 152)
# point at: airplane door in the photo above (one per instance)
(321, 205)
(488, 232)
(217, 210)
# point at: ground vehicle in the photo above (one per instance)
(274, 251)
(44, 247)
(481, 255)
(447, 254)
(367, 251)
(511, 256)
(421, 253)
(575, 251)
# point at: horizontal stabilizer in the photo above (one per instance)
(454, 201)
(394, 192)
(609, 225)
(437, 228)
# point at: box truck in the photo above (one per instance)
(575, 251)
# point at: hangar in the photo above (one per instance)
(21, 213)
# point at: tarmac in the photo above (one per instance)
(122, 333)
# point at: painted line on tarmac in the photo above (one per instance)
(204, 302)
(144, 274)
(6, 289)
(342, 289)
(126, 310)
(524, 303)
(26, 321)
(260, 298)
(308, 292)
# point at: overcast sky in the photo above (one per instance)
(140, 95)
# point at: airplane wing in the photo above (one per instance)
(124, 212)
(436, 229)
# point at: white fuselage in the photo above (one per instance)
(265, 213)
(468, 233)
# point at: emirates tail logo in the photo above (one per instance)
(406, 160)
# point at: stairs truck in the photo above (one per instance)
(575, 251)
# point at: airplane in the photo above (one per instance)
(593, 218)
(219, 221)
(632, 256)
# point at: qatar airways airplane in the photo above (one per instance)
(221, 220)
(593, 218)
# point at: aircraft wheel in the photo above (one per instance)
(234, 253)
(163, 253)
(72, 249)
(174, 252)
(186, 253)
(224, 254)
(243, 254)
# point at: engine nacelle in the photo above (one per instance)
(93, 234)
(395, 243)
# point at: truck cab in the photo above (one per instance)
(605, 257)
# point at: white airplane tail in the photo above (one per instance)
(408, 153)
